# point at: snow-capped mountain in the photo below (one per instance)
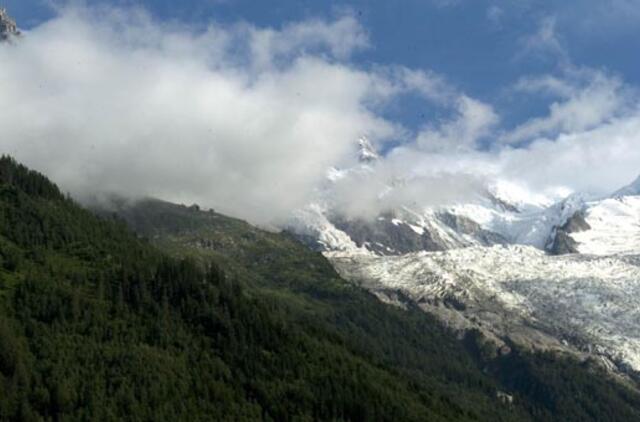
(499, 212)
(543, 272)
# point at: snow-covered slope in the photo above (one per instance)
(583, 303)
(614, 227)
(604, 226)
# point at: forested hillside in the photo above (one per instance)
(217, 320)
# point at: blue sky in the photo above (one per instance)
(265, 96)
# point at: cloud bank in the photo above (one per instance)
(247, 120)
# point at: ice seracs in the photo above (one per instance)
(588, 305)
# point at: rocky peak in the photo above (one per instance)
(367, 153)
(8, 27)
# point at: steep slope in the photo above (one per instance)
(610, 226)
(96, 324)
(601, 226)
(416, 350)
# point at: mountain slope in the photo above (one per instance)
(404, 219)
(610, 226)
(485, 262)
(98, 324)
(416, 349)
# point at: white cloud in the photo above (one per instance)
(474, 120)
(115, 102)
(588, 98)
(598, 160)
(341, 38)
(247, 120)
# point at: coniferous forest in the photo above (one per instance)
(213, 319)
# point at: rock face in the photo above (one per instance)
(387, 235)
(8, 27)
(563, 243)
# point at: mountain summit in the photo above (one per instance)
(367, 153)
(8, 27)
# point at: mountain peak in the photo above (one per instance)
(8, 27)
(367, 153)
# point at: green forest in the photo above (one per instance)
(157, 311)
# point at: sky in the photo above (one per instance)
(243, 106)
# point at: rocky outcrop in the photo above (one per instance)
(467, 226)
(384, 236)
(8, 27)
(563, 243)
(366, 152)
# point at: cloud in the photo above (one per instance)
(598, 160)
(545, 43)
(235, 117)
(587, 98)
(247, 120)
(113, 101)
(341, 38)
(474, 120)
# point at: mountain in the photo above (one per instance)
(498, 213)
(97, 324)
(8, 27)
(521, 372)
(490, 263)
(216, 319)
(366, 151)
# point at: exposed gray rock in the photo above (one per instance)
(384, 237)
(577, 223)
(563, 243)
(367, 153)
(8, 27)
(469, 227)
